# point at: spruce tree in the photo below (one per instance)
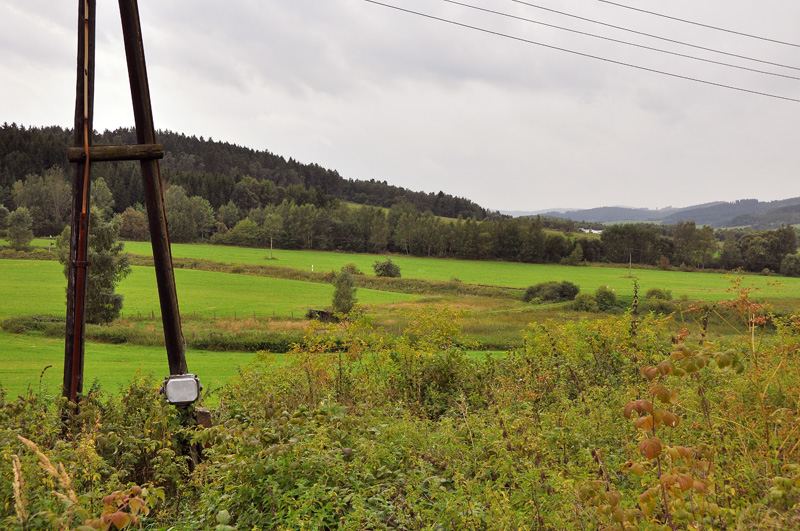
(109, 265)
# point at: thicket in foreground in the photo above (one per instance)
(364, 431)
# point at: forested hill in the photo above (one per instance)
(207, 168)
(743, 213)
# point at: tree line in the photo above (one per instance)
(204, 167)
(294, 209)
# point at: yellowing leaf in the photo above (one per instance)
(650, 372)
(614, 498)
(668, 480)
(666, 418)
(119, 519)
(686, 482)
(644, 423)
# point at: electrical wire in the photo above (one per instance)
(605, 59)
(686, 56)
(700, 24)
(682, 43)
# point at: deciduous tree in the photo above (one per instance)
(133, 225)
(102, 198)
(20, 228)
(273, 225)
(344, 292)
(47, 198)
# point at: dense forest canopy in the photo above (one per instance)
(232, 195)
(206, 168)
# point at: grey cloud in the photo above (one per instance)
(380, 94)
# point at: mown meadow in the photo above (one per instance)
(388, 420)
(695, 285)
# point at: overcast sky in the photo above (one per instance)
(377, 93)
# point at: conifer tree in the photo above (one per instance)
(109, 265)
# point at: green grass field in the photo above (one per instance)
(711, 286)
(24, 357)
(31, 287)
(38, 287)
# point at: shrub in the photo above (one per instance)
(27, 323)
(657, 305)
(386, 268)
(568, 290)
(790, 266)
(344, 292)
(606, 299)
(352, 269)
(245, 341)
(551, 291)
(585, 302)
(659, 294)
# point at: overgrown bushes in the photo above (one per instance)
(551, 291)
(387, 268)
(411, 432)
(602, 300)
(30, 323)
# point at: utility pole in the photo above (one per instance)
(79, 225)
(83, 154)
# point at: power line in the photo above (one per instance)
(638, 67)
(686, 56)
(682, 43)
(701, 25)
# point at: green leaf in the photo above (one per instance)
(223, 517)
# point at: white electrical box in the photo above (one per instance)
(181, 389)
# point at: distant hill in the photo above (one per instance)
(611, 214)
(769, 219)
(742, 213)
(208, 168)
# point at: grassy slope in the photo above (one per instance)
(694, 285)
(31, 287)
(37, 287)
